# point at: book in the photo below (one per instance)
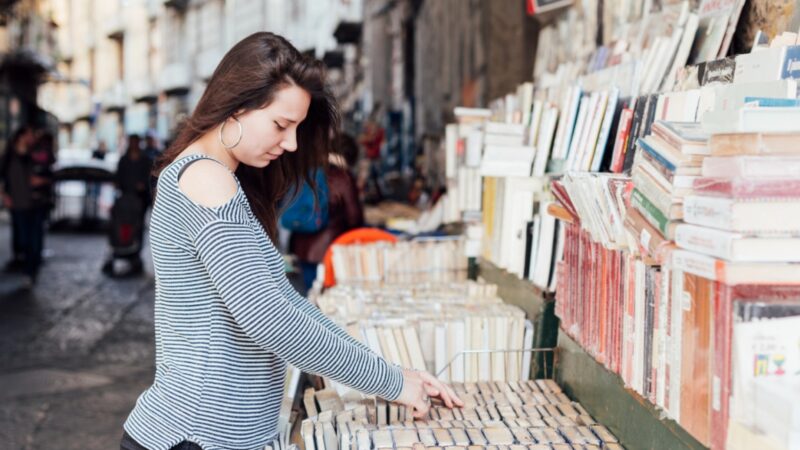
(743, 215)
(732, 144)
(734, 273)
(744, 188)
(686, 137)
(621, 140)
(737, 246)
(751, 167)
(770, 64)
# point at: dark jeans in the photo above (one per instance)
(29, 236)
(128, 443)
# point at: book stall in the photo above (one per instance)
(638, 200)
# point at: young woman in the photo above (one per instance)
(227, 320)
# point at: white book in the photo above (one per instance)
(474, 146)
(763, 65)
(389, 346)
(559, 253)
(414, 348)
(484, 358)
(544, 254)
(605, 131)
(676, 343)
(589, 146)
(371, 339)
(575, 157)
(735, 272)
(510, 140)
(442, 353)
(500, 339)
(570, 109)
(750, 167)
(535, 122)
(527, 343)
(545, 142)
(684, 49)
(451, 148)
(576, 132)
(456, 336)
(778, 217)
(517, 129)
(737, 246)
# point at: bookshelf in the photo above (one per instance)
(634, 420)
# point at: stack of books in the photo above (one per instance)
(459, 331)
(741, 247)
(665, 166)
(405, 261)
(507, 415)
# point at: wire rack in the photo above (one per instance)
(524, 374)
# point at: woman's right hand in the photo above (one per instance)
(419, 387)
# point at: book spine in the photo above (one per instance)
(705, 240)
(650, 212)
(715, 212)
(660, 198)
(701, 265)
(655, 154)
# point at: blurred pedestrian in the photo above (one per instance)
(101, 151)
(130, 207)
(345, 211)
(227, 320)
(28, 171)
(17, 193)
(371, 138)
(151, 148)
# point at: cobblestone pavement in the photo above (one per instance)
(75, 351)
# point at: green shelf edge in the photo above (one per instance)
(634, 420)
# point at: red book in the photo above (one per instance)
(746, 188)
(724, 298)
(623, 130)
(696, 357)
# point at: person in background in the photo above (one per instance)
(133, 180)
(29, 175)
(371, 138)
(101, 151)
(345, 211)
(151, 148)
(17, 192)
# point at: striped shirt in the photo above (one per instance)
(227, 322)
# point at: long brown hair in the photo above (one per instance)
(247, 78)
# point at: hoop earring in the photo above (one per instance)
(239, 139)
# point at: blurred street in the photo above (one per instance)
(75, 351)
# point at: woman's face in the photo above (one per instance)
(270, 131)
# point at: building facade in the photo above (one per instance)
(140, 66)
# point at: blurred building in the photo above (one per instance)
(140, 66)
(27, 54)
(136, 66)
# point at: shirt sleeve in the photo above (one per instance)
(229, 252)
(309, 308)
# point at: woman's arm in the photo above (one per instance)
(229, 252)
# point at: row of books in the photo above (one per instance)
(404, 261)
(670, 284)
(459, 331)
(509, 416)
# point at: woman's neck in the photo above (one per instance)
(209, 145)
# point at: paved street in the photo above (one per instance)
(75, 352)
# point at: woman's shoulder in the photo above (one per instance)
(207, 183)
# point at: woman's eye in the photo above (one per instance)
(279, 126)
